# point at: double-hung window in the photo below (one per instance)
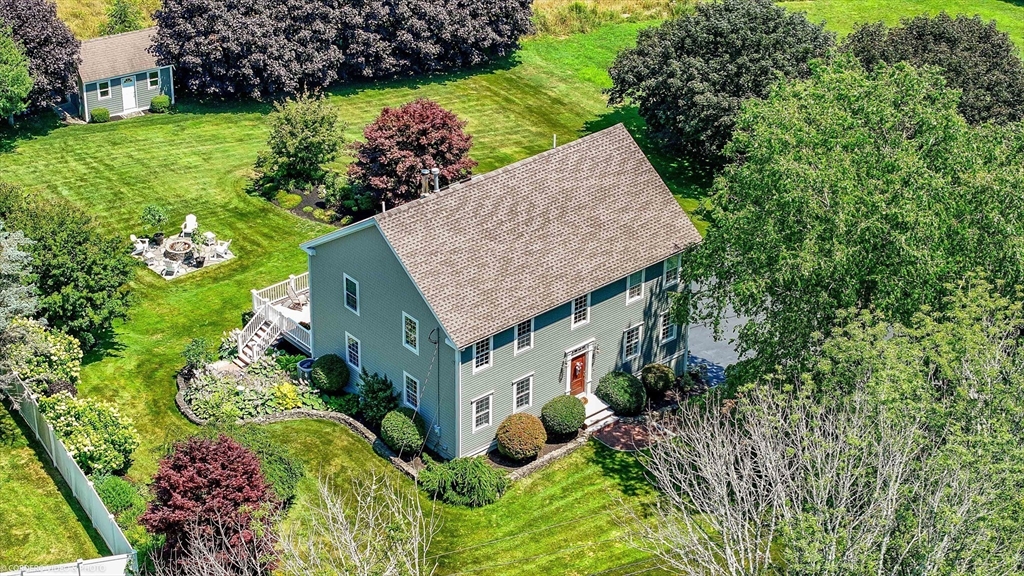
(635, 289)
(353, 351)
(104, 90)
(482, 355)
(581, 310)
(631, 343)
(351, 294)
(668, 328)
(411, 333)
(673, 270)
(154, 80)
(522, 393)
(524, 336)
(482, 412)
(412, 392)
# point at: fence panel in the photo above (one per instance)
(82, 489)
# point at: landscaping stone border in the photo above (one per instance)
(543, 461)
(365, 433)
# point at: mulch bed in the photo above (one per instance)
(625, 436)
(498, 460)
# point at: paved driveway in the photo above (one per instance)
(715, 355)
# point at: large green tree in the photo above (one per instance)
(689, 76)
(15, 82)
(855, 189)
(975, 57)
(81, 273)
(122, 16)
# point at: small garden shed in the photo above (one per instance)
(120, 73)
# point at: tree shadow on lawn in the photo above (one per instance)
(107, 346)
(27, 128)
(58, 480)
(623, 469)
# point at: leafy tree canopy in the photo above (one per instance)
(305, 135)
(122, 16)
(855, 189)
(974, 56)
(51, 48)
(690, 76)
(15, 82)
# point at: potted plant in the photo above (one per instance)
(154, 217)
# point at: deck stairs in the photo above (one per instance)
(274, 317)
(257, 345)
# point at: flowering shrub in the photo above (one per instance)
(42, 356)
(263, 389)
(99, 439)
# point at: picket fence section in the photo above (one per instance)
(82, 488)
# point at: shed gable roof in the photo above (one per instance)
(513, 243)
(117, 55)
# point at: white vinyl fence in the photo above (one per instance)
(124, 559)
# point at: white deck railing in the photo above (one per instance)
(300, 336)
(277, 292)
(263, 302)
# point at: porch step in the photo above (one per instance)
(265, 335)
(598, 419)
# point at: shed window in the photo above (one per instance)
(104, 90)
(636, 287)
(481, 355)
(412, 391)
(524, 336)
(581, 310)
(631, 343)
(154, 79)
(351, 294)
(522, 392)
(411, 333)
(352, 351)
(481, 412)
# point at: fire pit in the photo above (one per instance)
(177, 249)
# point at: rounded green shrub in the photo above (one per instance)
(288, 201)
(404, 431)
(100, 115)
(623, 392)
(330, 373)
(160, 104)
(521, 436)
(564, 415)
(117, 494)
(279, 466)
(99, 438)
(468, 482)
(658, 378)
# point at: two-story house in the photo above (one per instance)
(495, 295)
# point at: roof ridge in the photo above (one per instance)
(457, 186)
(119, 34)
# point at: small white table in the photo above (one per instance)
(211, 238)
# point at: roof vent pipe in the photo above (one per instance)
(425, 181)
(437, 180)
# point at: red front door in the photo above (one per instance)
(578, 375)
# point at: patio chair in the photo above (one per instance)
(141, 245)
(222, 249)
(170, 266)
(190, 225)
(295, 300)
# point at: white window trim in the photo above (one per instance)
(490, 411)
(573, 324)
(359, 344)
(405, 391)
(149, 79)
(639, 342)
(635, 298)
(415, 350)
(110, 90)
(515, 335)
(666, 316)
(344, 293)
(515, 395)
(678, 269)
(490, 359)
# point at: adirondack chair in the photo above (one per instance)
(190, 225)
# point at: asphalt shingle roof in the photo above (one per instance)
(117, 55)
(513, 243)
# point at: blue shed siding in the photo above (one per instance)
(143, 93)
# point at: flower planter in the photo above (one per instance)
(305, 368)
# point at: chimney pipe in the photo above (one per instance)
(437, 180)
(425, 181)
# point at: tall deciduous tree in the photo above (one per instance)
(122, 16)
(690, 76)
(403, 141)
(15, 82)
(975, 57)
(305, 135)
(51, 48)
(855, 189)
(81, 273)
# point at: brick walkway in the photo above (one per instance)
(625, 437)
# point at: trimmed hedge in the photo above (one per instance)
(521, 436)
(404, 431)
(330, 373)
(100, 115)
(563, 415)
(160, 104)
(623, 392)
(658, 378)
(468, 482)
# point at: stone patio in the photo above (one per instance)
(202, 255)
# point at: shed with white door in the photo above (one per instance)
(120, 73)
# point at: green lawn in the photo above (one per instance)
(40, 521)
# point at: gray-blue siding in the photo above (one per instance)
(143, 93)
(610, 316)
